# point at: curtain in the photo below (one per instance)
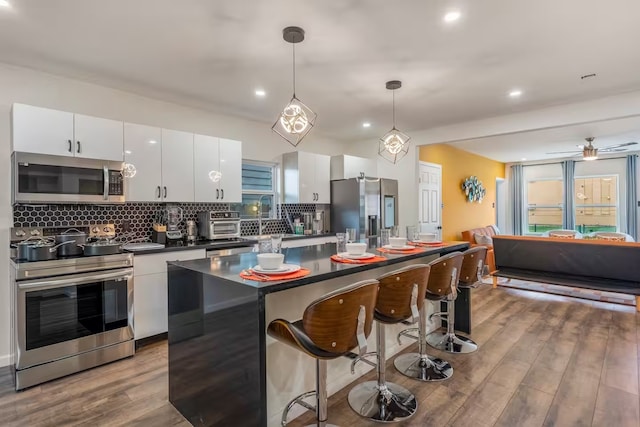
(568, 175)
(517, 197)
(632, 196)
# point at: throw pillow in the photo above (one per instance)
(562, 235)
(482, 239)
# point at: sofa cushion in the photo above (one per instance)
(483, 239)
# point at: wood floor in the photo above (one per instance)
(544, 360)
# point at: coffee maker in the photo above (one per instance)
(173, 215)
(318, 222)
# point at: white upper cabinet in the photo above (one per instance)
(45, 131)
(217, 169)
(206, 162)
(306, 177)
(345, 167)
(231, 168)
(143, 150)
(98, 138)
(177, 166)
(42, 130)
(323, 184)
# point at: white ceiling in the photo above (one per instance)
(213, 54)
(536, 144)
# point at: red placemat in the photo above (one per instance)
(275, 277)
(427, 245)
(376, 258)
(397, 252)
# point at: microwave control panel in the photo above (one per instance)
(116, 183)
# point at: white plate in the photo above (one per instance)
(347, 255)
(428, 242)
(284, 269)
(399, 248)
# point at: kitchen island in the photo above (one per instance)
(223, 368)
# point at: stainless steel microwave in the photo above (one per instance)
(38, 178)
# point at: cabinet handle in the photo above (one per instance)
(222, 192)
(217, 194)
(78, 147)
(159, 192)
(165, 191)
(69, 141)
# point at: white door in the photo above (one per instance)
(206, 163)
(430, 198)
(150, 313)
(177, 166)
(306, 177)
(231, 168)
(42, 130)
(323, 175)
(143, 150)
(98, 138)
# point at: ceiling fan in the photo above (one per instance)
(589, 152)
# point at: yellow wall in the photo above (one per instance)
(458, 214)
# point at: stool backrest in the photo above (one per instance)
(396, 289)
(444, 274)
(332, 321)
(472, 264)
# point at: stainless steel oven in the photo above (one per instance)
(38, 178)
(70, 315)
(213, 225)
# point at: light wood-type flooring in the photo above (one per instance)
(544, 360)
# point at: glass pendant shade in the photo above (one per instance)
(295, 121)
(215, 176)
(394, 145)
(129, 170)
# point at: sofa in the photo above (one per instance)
(469, 236)
(592, 264)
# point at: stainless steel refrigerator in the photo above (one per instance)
(366, 204)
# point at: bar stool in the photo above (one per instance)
(400, 298)
(443, 275)
(330, 327)
(470, 276)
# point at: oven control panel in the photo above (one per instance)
(224, 215)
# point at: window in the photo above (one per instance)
(544, 205)
(258, 185)
(596, 202)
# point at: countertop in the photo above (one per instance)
(316, 258)
(245, 241)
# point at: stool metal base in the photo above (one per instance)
(388, 403)
(423, 368)
(451, 343)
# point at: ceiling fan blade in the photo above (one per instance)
(611, 150)
(626, 144)
(566, 152)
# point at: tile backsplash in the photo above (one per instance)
(140, 216)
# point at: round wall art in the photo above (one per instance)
(473, 189)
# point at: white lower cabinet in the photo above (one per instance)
(150, 302)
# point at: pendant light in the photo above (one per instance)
(394, 145)
(296, 119)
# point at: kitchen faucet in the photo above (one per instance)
(260, 213)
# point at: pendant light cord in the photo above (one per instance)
(294, 69)
(394, 107)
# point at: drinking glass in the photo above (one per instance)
(395, 231)
(341, 243)
(264, 244)
(351, 235)
(276, 243)
(385, 233)
(412, 233)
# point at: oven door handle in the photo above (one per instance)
(106, 182)
(76, 279)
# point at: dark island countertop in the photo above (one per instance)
(316, 258)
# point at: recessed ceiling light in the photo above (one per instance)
(515, 93)
(366, 125)
(452, 16)
(260, 93)
(523, 159)
(5, 3)
(153, 141)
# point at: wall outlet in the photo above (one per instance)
(126, 226)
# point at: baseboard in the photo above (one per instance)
(151, 340)
(5, 360)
